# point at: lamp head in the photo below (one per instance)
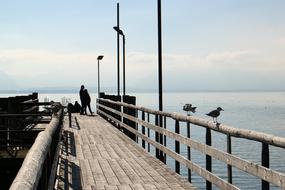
(118, 30)
(100, 57)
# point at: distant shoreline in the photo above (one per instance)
(71, 91)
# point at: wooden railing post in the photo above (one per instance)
(156, 138)
(208, 158)
(265, 163)
(161, 154)
(188, 151)
(143, 129)
(97, 106)
(177, 147)
(229, 150)
(148, 134)
(164, 139)
(69, 110)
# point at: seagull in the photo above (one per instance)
(215, 113)
(188, 107)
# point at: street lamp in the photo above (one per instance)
(159, 154)
(100, 57)
(124, 55)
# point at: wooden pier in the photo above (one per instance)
(95, 155)
(103, 152)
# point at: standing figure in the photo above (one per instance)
(83, 101)
(87, 100)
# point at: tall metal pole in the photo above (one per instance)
(98, 79)
(159, 55)
(160, 70)
(118, 48)
(124, 65)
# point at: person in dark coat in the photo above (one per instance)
(76, 107)
(83, 102)
(70, 107)
(87, 101)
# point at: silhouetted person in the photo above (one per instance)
(69, 109)
(76, 107)
(83, 101)
(215, 113)
(87, 101)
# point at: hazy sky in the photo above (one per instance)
(207, 45)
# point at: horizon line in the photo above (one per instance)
(73, 90)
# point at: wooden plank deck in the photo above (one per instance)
(95, 155)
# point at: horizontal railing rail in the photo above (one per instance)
(26, 114)
(222, 128)
(36, 169)
(32, 101)
(261, 171)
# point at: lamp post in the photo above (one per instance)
(100, 57)
(118, 49)
(159, 55)
(120, 32)
(159, 137)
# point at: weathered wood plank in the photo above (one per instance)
(121, 175)
(108, 172)
(79, 152)
(97, 173)
(86, 173)
(86, 151)
(124, 187)
(111, 187)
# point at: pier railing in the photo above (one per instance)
(38, 168)
(262, 171)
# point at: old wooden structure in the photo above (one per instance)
(39, 166)
(22, 118)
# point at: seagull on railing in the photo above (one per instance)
(215, 114)
(188, 108)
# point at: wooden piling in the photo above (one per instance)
(177, 147)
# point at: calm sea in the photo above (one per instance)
(259, 111)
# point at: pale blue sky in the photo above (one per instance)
(207, 45)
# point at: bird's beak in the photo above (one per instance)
(223, 110)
